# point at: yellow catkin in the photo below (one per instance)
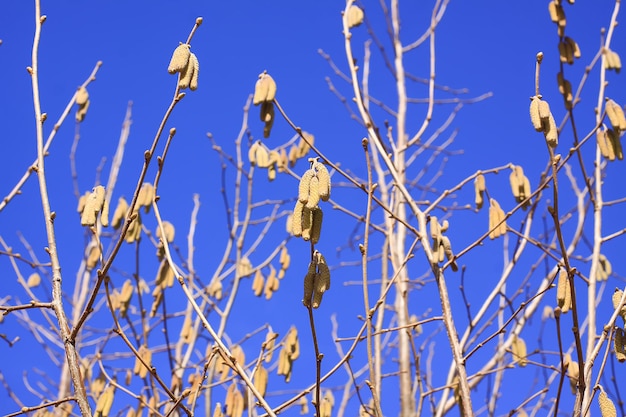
(605, 269)
(479, 191)
(82, 201)
(355, 16)
(293, 155)
(258, 283)
(573, 46)
(81, 112)
(82, 96)
(447, 248)
(215, 289)
(615, 144)
(93, 258)
(616, 299)
(544, 111)
(496, 215)
(145, 197)
(565, 88)
(292, 343)
(272, 284)
(309, 281)
(33, 280)
(618, 342)
(562, 288)
(303, 187)
(573, 372)
(265, 89)
(324, 180)
(566, 53)
(260, 379)
(119, 213)
(515, 182)
(534, 114)
(602, 143)
(435, 228)
(193, 61)
(551, 133)
(304, 146)
(268, 345)
(615, 61)
(252, 152)
(296, 219)
(607, 408)
(307, 223)
(304, 406)
(180, 59)
(285, 258)
(185, 331)
(321, 283)
(105, 402)
(615, 114)
(262, 157)
(316, 225)
(314, 193)
(519, 351)
(169, 231)
(93, 206)
(267, 129)
(184, 81)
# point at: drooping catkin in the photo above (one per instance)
(304, 186)
(518, 346)
(105, 402)
(264, 89)
(316, 224)
(307, 223)
(93, 257)
(258, 283)
(93, 206)
(119, 213)
(309, 281)
(304, 146)
(314, 193)
(145, 197)
(324, 180)
(296, 219)
(534, 113)
(271, 284)
(260, 379)
(82, 101)
(607, 408)
(605, 269)
(33, 280)
(612, 61)
(565, 88)
(447, 248)
(551, 133)
(616, 298)
(169, 232)
(322, 280)
(497, 224)
(193, 83)
(605, 145)
(613, 138)
(355, 16)
(180, 59)
(267, 112)
(564, 294)
(479, 191)
(618, 343)
(615, 113)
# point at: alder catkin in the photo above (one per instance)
(33, 280)
(496, 216)
(119, 213)
(260, 379)
(309, 280)
(258, 283)
(615, 144)
(618, 342)
(355, 16)
(307, 223)
(615, 114)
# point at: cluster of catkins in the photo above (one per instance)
(186, 63)
(306, 221)
(609, 139)
(620, 336)
(441, 244)
(316, 281)
(264, 93)
(543, 121)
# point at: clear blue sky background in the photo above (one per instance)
(486, 46)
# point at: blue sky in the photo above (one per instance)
(486, 47)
